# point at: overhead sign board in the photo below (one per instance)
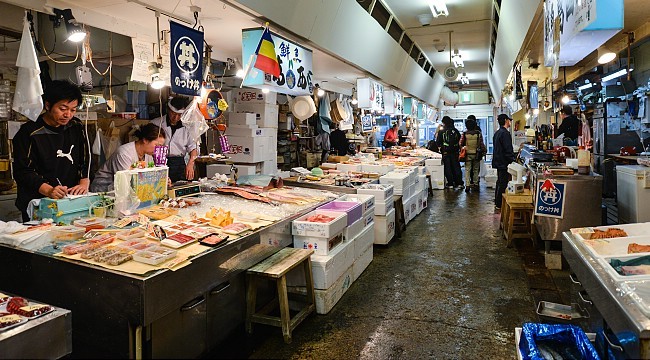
(393, 102)
(370, 94)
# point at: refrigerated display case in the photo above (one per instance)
(633, 193)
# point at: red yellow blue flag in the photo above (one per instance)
(267, 60)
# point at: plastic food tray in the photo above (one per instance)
(154, 256)
(560, 311)
(3, 309)
(638, 229)
(131, 234)
(67, 232)
(178, 240)
(616, 246)
(606, 262)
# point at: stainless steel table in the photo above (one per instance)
(620, 313)
(46, 337)
(181, 313)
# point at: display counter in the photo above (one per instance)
(582, 205)
(622, 315)
(166, 313)
(46, 337)
(293, 181)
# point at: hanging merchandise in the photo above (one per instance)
(27, 98)
(194, 121)
(302, 107)
(186, 59)
(97, 144)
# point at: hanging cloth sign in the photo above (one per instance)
(370, 94)
(550, 198)
(186, 59)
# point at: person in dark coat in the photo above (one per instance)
(448, 142)
(502, 157)
(340, 142)
(569, 127)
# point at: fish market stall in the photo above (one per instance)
(176, 300)
(30, 329)
(611, 264)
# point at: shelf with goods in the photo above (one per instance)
(287, 150)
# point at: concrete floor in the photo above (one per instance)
(449, 288)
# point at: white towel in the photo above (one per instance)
(27, 98)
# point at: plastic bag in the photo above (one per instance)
(111, 140)
(97, 144)
(537, 340)
(194, 122)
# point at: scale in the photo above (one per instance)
(183, 189)
(516, 185)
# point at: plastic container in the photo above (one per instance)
(154, 256)
(67, 232)
(178, 240)
(131, 234)
(354, 210)
(91, 223)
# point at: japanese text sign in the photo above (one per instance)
(550, 198)
(186, 59)
(296, 71)
(370, 94)
(393, 102)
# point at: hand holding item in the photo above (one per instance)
(58, 192)
(80, 189)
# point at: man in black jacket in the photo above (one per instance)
(51, 153)
(502, 157)
(569, 127)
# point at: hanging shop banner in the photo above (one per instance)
(550, 198)
(366, 123)
(142, 56)
(583, 27)
(186, 59)
(393, 102)
(295, 62)
(370, 94)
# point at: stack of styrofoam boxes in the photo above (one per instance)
(384, 228)
(266, 112)
(411, 203)
(380, 168)
(366, 237)
(278, 235)
(403, 182)
(436, 170)
(491, 178)
(344, 167)
(421, 191)
(250, 145)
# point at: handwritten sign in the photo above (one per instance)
(393, 102)
(296, 71)
(142, 56)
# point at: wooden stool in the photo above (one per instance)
(400, 219)
(519, 222)
(275, 268)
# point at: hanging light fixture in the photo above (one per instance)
(76, 33)
(154, 67)
(438, 8)
(457, 59)
(605, 55)
(354, 97)
(565, 99)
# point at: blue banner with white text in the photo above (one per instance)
(186, 54)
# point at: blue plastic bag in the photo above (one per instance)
(536, 338)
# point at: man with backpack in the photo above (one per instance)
(475, 149)
(448, 143)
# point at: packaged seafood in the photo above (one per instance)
(106, 254)
(3, 298)
(91, 253)
(119, 258)
(9, 320)
(90, 223)
(22, 307)
(163, 251)
(200, 221)
(67, 232)
(154, 257)
(178, 240)
(214, 240)
(102, 239)
(235, 228)
(198, 232)
(77, 248)
(182, 226)
(140, 245)
(134, 233)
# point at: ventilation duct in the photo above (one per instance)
(449, 96)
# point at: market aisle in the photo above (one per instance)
(448, 289)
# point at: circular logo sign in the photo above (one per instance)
(186, 55)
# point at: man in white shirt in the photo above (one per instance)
(178, 139)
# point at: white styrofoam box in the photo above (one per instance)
(348, 167)
(422, 183)
(251, 149)
(351, 231)
(405, 193)
(326, 299)
(236, 118)
(380, 191)
(266, 115)
(242, 169)
(491, 172)
(410, 170)
(421, 170)
(363, 240)
(270, 167)
(320, 245)
(422, 198)
(302, 227)
(275, 239)
(436, 170)
(433, 162)
(326, 269)
(254, 96)
(383, 207)
(328, 166)
(399, 180)
(425, 200)
(237, 131)
(368, 217)
(360, 264)
(367, 201)
(385, 228)
(411, 208)
(438, 184)
(351, 208)
(381, 169)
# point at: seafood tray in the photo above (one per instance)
(303, 227)
(607, 264)
(154, 256)
(214, 240)
(178, 240)
(25, 308)
(560, 311)
(131, 234)
(353, 209)
(616, 246)
(67, 232)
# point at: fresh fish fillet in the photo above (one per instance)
(636, 270)
(242, 193)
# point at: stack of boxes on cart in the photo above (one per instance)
(436, 170)
(252, 134)
(384, 210)
(342, 247)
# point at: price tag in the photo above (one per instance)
(32, 307)
(9, 318)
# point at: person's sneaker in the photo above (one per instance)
(466, 189)
(459, 187)
(497, 207)
(450, 186)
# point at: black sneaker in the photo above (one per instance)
(466, 189)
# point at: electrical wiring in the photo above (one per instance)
(60, 62)
(89, 54)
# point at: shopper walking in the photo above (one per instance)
(448, 142)
(502, 157)
(472, 140)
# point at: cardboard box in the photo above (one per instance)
(361, 264)
(254, 96)
(240, 119)
(248, 149)
(384, 207)
(266, 115)
(302, 227)
(385, 228)
(320, 245)
(242, 169)
(365, 238)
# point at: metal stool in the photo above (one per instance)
(275, 268)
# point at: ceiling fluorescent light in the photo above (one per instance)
(615, 75)
(438, 8)
(605, 55)
(585, 87)
(464, 79)
(457, 59)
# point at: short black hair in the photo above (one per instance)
(502, 119)
(471, 117)
(58, 90)
(567, 110)
(470, 124)
(149, 132)
(179, 102)
(447, 121)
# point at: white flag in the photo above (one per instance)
(27, 98)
